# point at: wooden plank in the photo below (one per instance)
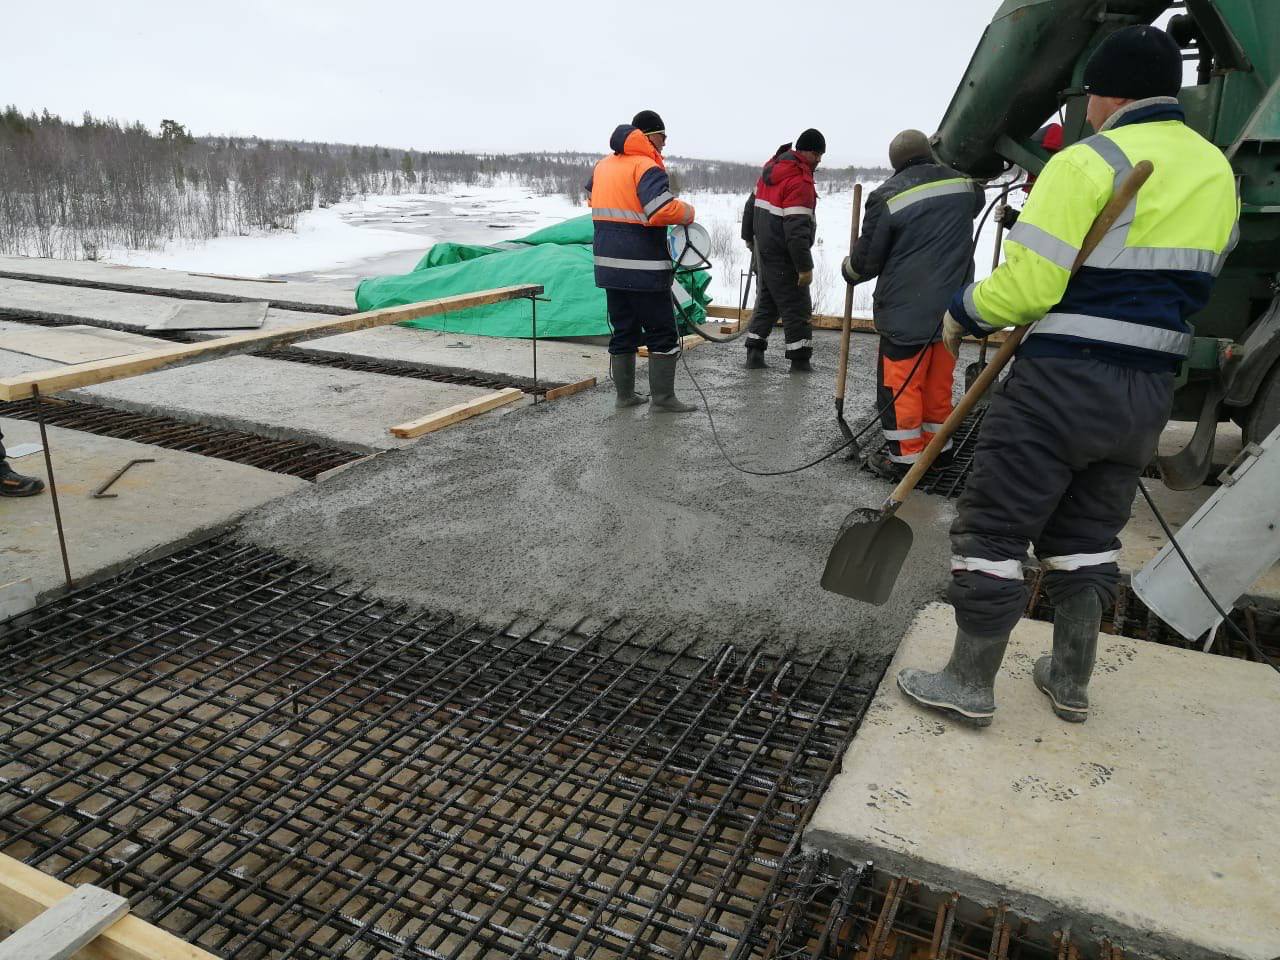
(25, 893)
(68, 925)
(569, 389)
(824, 322)
(686, 343)
(459, 411)
(103, 371)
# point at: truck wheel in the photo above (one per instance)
(1264, 412)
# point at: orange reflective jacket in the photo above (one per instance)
(631, 206)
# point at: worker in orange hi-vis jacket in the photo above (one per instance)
(631, 208)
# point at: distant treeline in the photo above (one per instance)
(74, 189)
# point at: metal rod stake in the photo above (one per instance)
(53, 487)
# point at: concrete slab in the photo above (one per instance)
(73, 344)
(179, 497)
(204, 315)
(574, 508)
(1153, 823)
(109, 308)
(561, 361)
(16, 597)
(274, 398)
(290, 295)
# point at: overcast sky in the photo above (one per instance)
(731, 79)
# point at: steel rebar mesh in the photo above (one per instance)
(296, 458)
(948, 480)
(270, 764)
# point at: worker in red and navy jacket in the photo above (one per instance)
(779, 224)
(631, 208)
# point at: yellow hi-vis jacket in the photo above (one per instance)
(1129, 302)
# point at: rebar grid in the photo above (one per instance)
(948, 480)
(270, 764)
(393, 368)
(869, 915)
(296, 458)
(1130, 617)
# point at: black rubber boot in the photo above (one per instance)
(622, 367)
(801, 365)
(13, 484)
(965, 688)
(1064, 677)
(662, 384)
(755, 359)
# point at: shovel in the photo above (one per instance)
(873, 543)
(972, 370)
(847, 328)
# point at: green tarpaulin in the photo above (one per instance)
(558, 257)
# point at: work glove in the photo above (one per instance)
(805, 278)
(952, 334)
(846, 270)
(1005, 215)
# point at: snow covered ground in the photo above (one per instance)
(388, 234)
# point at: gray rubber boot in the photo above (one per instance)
(755, 359)
(965, 688)
(662, 384)
(622, 367)
(1064, 677)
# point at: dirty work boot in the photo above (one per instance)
(662, 384)
(886, 469)
(755, 359)
(801, 365)
(965, 688)
(13, 484)
(1064, 677)
(622, 367)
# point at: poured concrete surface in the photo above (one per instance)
(1153, 823)
(179, 497)
(295, 294)
(559, 361)
(574, 508)
(294, 401)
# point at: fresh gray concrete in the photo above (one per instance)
(572, 508)
(180, 497)
(292, 401)
(295, 295)
(1153, 823)
(16, 597)
(560, 361)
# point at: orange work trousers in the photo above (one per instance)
(912, 415)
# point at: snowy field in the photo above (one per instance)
(382, 235)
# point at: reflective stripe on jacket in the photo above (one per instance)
(780, 217)
(1130, 301)
(916, 238)
(631, 208)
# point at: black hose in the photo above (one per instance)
(1195, 575)
(706, 405)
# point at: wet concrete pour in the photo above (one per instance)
(573, 509)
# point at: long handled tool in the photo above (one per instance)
(873, 543)
(847, 326)
(973, 370)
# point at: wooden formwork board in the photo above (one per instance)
(120, 368)
(456, 413)
(26, 892)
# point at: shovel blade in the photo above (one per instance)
(867, 556)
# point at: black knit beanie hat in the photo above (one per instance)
(648, 121)
(1135, 63)
(811, 139)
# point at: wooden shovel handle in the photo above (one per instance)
(847, 327)
(1110, 213)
